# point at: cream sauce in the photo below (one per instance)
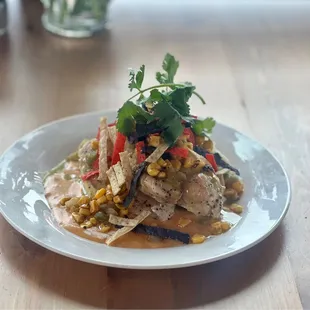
(59, 185)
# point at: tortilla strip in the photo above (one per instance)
(103, 150)
(119, 174)
(123, 231)
(159, 151)
(113, 181)
(133, 160)
(116, 220)
(112, 134)
(124, 156)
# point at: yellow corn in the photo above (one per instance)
(197, 238)
(109, 188)
(189, 145)
(183, 222)
(208, 145)
(87, 224)
(236, 208)
(64, 200)
(100, 193)
(153, 169)
(79, 218)
(104, 228)
(189, 162)
(117, 199)
(176, 164)
(83, 200)
(109, 196)
(238, 187)
(94, 207)
(93, 221)
(216, 228)
(230, 194)
(84, 211)
(169, 164)
(84, 206)
(161, 162)
(123, 212)
(162, 175)
(154, 140)
(200, 140)
(102, 200)
(95, 145)
(225, 226)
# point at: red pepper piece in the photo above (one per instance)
(89, 175)
(179, 151)
(189, 132)
(140, 155)
(210, 158)
(118, 147)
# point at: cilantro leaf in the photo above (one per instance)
(179, 98)
(170, 66)
(173, 131)
(128, 115)
(136, 79)
(203, 127)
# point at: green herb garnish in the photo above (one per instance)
(165, 110)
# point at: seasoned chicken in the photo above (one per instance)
(162, 191)
(202, 195)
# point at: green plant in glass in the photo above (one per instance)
(75, 18)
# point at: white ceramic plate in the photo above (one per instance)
(24, 206)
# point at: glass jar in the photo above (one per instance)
(75, 18)
(3, 17)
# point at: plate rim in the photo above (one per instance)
(149, 267)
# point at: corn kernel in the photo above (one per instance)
(94, 206)
(154, 140)
(109, 196)
(236, 208)
(230, 194)
(109, 188)
(72, 202)
(161, 162)
(87, 224)
(208, 145)
(238, 187)
(83, 200)
(225, 226)
(84, 206)
(64, 200)
(176, 164)
(169, 165)
(102, 200)
(189, 145)
(200, 140)
(197, 238)
(93, 221)
(83, 211)
(79, 218)
(104, 228)
(183, 222)
(100, 193)
(117, 199)
(153, 169)
(162, 175)
(123, 212)
(95, 145)
(216, 228)
(188, 163)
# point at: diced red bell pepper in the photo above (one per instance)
(210, 158)
(179, 151)
(189, 132)
(140, 155)
(89, 175)
(118, 147)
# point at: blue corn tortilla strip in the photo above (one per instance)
(218, 159)
(162, 233)
(133, 185)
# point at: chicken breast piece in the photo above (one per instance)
(202, 195)
(161, 190)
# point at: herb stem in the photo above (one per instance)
(164, 85)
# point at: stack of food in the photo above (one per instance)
(153, 177)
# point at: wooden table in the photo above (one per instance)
(252, 64)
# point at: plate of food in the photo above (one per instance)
(149, 186)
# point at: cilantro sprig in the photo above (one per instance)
(165, 110)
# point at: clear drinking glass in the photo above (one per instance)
(75, 18)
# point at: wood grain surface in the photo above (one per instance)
(251, 61)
